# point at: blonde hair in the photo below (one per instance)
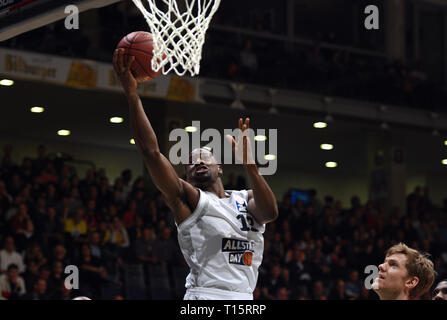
(418, 265)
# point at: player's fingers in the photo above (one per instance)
(244, 143)
(118, 60)
(122, 66)
(247, 122)
(231, 140)
(115, 57)
(115, 60)
(129, 63)
(240, 123)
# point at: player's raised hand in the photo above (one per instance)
(242, 146)
(123, 72)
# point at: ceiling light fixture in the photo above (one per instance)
(331, 164)
(116, 120)
(320, 125)
(6, 82)
(269, 157)
(64, 132)
(37, 109)
(191, 129)
(327, 146)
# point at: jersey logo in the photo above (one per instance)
(241, 205)
(233, 245)
(243, 259)
(240, 251)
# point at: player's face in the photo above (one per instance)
(440, 292)
(393, 276)
(202, 168)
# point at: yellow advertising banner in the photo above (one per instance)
(88, 74)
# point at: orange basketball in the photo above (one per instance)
(140, 45)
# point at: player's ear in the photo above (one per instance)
(412, 282)
(219, 170)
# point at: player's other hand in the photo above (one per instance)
(123, 72)
(242, 146)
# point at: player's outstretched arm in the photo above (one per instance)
(261, 200)
(174, 189)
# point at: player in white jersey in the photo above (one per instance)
(219, 232)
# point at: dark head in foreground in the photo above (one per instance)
(406, 274)
(440, 292)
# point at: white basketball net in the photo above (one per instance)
(178, 36)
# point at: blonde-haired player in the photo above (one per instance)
(406, 274)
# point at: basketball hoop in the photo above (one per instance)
(178, 35)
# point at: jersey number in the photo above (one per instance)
(245, 227)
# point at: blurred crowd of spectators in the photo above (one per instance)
(50, 219)
(316, 68)
(122, 238)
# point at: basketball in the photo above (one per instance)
(139, 44)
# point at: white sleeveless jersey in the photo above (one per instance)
(222, 243)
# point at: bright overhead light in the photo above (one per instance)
(320, 125)
(6, 82)
(64, 132)
(132, 141)
(331, 164)
(116, 120)
(191, 129)
(37, 109)
(326, 146)
(445, 142)
(444, 162)
(269, 157)
(260, 138)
